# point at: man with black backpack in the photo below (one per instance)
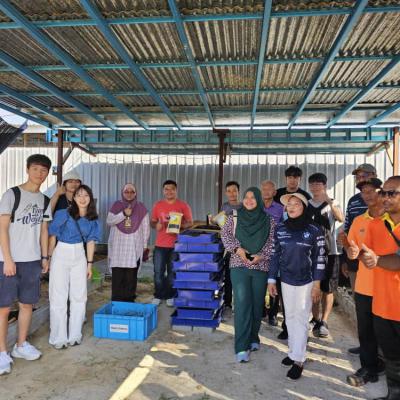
(325, 212)
(24, 213)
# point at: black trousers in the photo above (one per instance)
(123, 284)
(388, 335)
(366, 333)
(274, 303)
(227, 281)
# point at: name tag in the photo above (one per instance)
(118, 328)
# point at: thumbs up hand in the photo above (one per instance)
(353, 250)
(368, 257)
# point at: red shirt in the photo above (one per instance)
(160, 213)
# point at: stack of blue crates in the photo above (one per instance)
(198, 279)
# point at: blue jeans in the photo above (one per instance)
(162, 259)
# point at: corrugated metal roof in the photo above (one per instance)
(291, 37)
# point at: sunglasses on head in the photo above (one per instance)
(389, 193)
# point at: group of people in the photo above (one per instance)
(288, 238)
(284, 240)
(281, 240)
(31, 241)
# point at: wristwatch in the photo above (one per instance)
(45, 257)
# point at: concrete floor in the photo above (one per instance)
(177, 365)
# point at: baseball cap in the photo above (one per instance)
(71, 175)
(375, 182)
(366, 168)
(285, 198)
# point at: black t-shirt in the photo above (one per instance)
(62, 203)
(281, 191)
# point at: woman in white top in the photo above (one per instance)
(129, 235)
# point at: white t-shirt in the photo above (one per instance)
(332, 221)
(24, 232)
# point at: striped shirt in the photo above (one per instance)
(355, 207)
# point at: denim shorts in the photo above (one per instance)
(24, 286)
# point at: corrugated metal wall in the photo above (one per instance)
(197, 176)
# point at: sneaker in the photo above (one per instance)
(243, 357)
(315, 329)
(283, 335)
(5, 363)
(295, 372)
(26, 351)
(354, 350)
(361, 377)
(156, 301)
(60, 346)
(287, 362)
(272, 321)
(255, 346)
(323, 331)
(170, 302)
(312, 323)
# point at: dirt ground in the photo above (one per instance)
(184, 365)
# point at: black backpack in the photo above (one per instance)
(315, 215)
(17, 194)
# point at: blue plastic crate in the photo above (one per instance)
(213, 304)
(207, 323)
(125, 321)
(206, 267)
(197, 313)
(206, 295)
(199, 247)
(200, 285)
(191, 236)
(199, 257)
(196, 276)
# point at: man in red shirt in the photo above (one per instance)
(380, 251)
(162, 258)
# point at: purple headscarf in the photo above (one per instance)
(138, 211)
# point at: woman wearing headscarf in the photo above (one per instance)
(300, 259)
(248, 235)
(129, 235)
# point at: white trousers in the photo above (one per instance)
(68, 272)
(298, 303)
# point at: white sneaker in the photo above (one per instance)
(26, 351)
(5, 363)
(156, 301)
(170, 302)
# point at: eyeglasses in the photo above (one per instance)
(129, 192)
(389, 193)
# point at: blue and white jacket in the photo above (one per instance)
(355, 207)
(299, 256)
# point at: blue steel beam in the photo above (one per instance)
(261, 56)
(390, 110)
(203, 17)
(43, 83)
(189, 55)
(24, 115)
(372, 85)
(64, 57)
(214, 63)
(39, 106)
(340, 39)
(214, 91)
(273, 135)
(103, 26)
